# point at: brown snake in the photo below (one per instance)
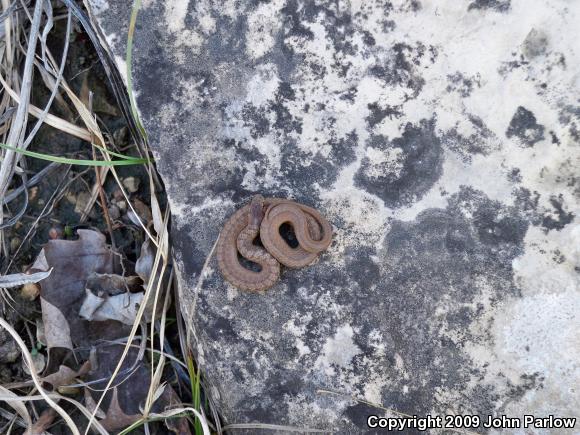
(264, 216)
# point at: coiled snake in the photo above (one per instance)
(265, 216)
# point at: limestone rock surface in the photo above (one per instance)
(440, 138)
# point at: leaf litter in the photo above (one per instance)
(91, 298)
(91, 295)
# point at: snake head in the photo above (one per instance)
(256, 211)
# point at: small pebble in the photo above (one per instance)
(39, 363)
(118, 194)
(14, 244)
(82, 199)
(65, 390)
(131, 184)
(122, 205)
(114, 212)
(32, 193)
(30, 291)
(142, 210)
(55, 232)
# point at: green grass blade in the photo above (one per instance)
(112, 153)
(127, 161)
(195, 380)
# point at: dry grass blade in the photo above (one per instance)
(276, 427)
(169, 414)
(96, 425)
(30, 362)
(147, 296)
(53, 121)
(56, 82)
(18, 406)
(154, 387)
(18, 127)
(18, 279)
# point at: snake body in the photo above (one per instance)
(264, 217)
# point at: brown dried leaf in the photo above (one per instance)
(144, 264)
(65, 375)
(91, 405)
(123, 403)
(142, 210)
(106, 284)
(115, 418)
(56, 326)
(43, 423)
(62, 293)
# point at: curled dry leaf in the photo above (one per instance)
(112, 297)
(144, 264)
(122, 308)
(105, 284)
(131, 184)
(30, 291)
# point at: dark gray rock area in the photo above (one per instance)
(441, 139)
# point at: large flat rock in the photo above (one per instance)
(440, 138)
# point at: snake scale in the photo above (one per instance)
(264, 217)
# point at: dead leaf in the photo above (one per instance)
(40, 264)
(122, 308)
(43, 423)
(115, 418)
(143, 212)
(112, 297)
(65, 376)
(56, 327)
(144, 264)
(62, 293)
(91, 405)
(106, 284)
(122, 405)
